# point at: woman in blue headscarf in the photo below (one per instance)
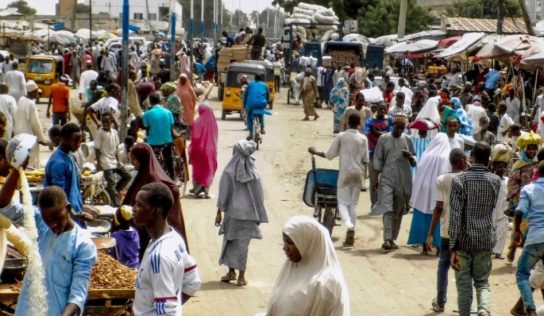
(339, 99)
(462, 117)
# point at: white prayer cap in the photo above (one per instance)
(31, 86)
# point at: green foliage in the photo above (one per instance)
(483, 9)
(23, 7)
(382, 18)
(82, 8)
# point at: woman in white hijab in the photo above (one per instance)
(311, 281)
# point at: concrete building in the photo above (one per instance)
(536, 9)
(65, 8)
(148, 14)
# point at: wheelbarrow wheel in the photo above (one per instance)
(328, 219)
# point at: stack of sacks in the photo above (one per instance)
(308, 61)
(312, 13)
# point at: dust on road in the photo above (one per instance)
(398, 283)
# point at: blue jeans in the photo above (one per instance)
(474, 266)
(529, 257)
(444, 263)
(250, 117)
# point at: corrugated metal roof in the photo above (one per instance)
(510, 25)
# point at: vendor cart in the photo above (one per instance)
(104, 302)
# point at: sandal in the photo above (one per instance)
(230, 276)
(439, 308)
(241, 282)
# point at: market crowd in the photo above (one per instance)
(471, 145)
(469, 142)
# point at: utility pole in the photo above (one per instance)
(526, 18)
(402, 18)
(201, 21)
(191, 34)
(499, 16)
(74, 16)
(124, 73)
(172, 45)
(91, 25)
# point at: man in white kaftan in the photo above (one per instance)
(352, 149)
(27, 121)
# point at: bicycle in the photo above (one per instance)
(256, 135)
(181, 171)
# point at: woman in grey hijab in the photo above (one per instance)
(242, 202)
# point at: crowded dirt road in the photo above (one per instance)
(397, 283)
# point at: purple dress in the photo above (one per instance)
(128, 247)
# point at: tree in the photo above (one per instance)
(22, 7)
(82, 8)
(483, 9)
(382, 18)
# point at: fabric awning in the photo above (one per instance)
(468, 40)
(413, 47)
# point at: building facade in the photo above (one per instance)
(148, 14)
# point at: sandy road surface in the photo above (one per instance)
(398, 283)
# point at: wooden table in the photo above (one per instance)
(95, 297)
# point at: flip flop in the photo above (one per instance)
(242, 282)
(228, 277)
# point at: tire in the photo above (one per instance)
(102, 198)
(328, 219)
(223, 115)
(220, 92)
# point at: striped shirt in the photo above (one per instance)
(474, 194)
(166, 272)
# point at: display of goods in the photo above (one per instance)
(341, 58)
(109, 273)
(35, 175)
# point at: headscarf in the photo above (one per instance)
(167, 88)
(461, 114)
(430, 110)
(203, 148)
(151, 171)
(240, 190)
(434, 162)
(340, 94)
(244, 163)
(315, 285)
(187, 98)
(501, 153)
(526, 140)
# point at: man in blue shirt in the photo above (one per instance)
(66, 250)
(531, 204)
(158, 123)
(229, 40)
(61, 169)
(256, 99)
(491, 79)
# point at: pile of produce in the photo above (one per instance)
(35, 175)
(109, 273)
(306, 13)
